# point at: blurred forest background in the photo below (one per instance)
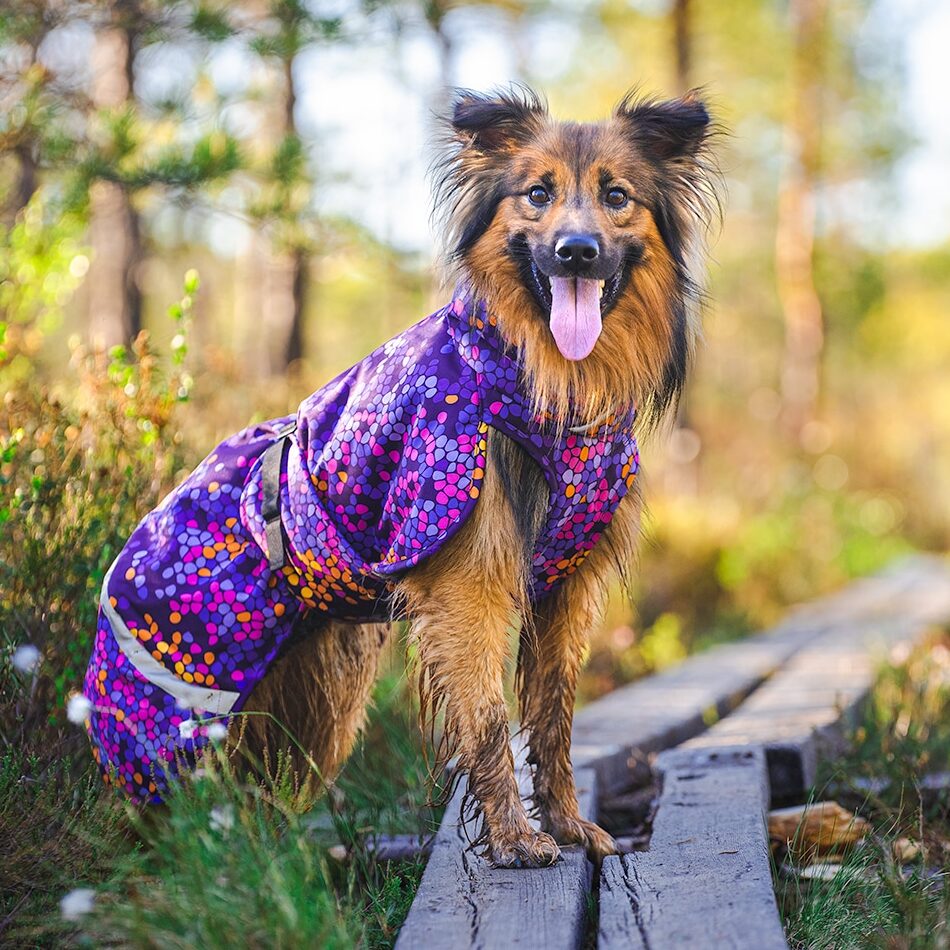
(278, 148)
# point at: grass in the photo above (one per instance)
(882, 897)
(227, 860)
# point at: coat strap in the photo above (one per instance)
(271, 465)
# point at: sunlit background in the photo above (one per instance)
(280, 149)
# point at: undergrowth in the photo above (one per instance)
(233, 858)
(893, 891)
(229, 860)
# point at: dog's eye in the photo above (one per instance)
(538, 195)
(616, 197)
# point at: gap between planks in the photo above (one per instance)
(463, 902)
(706, 880)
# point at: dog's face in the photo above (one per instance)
(592, 221)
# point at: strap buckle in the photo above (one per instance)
(271, 465)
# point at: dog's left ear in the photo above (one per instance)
(675, 129)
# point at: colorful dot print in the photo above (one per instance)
(385, 465)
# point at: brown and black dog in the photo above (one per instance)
(532, 206)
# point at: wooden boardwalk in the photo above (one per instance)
(738, 719)
(799, 715)
(463, 902)
(706, 880)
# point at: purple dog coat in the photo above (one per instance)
(384, 466)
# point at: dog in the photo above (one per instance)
(476, 473)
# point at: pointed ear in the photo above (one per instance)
(677, 128)
(493, 122)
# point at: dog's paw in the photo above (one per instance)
(534, 849)
(595, 840)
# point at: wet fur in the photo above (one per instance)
(464, 603)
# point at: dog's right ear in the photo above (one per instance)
(493, 122)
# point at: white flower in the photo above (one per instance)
(217, 731)
(222, 819)
(26, 658)
(186, 728)
(78, 709)
(77, 903)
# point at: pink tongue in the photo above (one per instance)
(575, 315)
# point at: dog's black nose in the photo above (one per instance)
(577, 250)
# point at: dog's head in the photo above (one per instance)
(581, 237)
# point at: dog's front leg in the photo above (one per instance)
(463, 656)
(549, 661)
(461, 604)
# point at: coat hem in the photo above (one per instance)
(217, 701)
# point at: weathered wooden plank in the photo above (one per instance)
(799, 715)
(706, 880)
(463, 902)
(612, 734)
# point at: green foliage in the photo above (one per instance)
(41, 264)
(227, 858)
(289, 160)
(56, 829)
(124, 159)
(211, 24)
(227, 862)
(181, 314)
(876, 900)
(291, 26)
(872, 903)
(660, 645)
(903, 736)
(78, 468)
(808, 541)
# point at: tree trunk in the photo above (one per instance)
(435, 12)
(682, 474)
(683, 44)
(25, 151)
(297, 257)
(26, 183)
(795, 232)
(300, 261)
(285, 293)
(115, 300)
(286, 283)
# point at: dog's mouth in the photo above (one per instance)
(575, 306)
(607, 290)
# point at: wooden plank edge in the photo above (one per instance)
(645, 718)
(824, 689)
